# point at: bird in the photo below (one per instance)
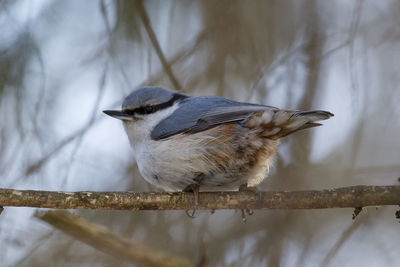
(184, 143)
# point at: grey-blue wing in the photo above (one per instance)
(198, 114)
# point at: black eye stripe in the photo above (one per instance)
(149, 109)
(153, 108)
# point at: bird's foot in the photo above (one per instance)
(195, 188)
(252, 189)
(245, 188)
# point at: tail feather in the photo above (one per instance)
(314, 115)
(303, 127)
(285, 122)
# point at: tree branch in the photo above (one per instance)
(103, 240)
(346, 197)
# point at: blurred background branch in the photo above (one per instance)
(149, 29)
(105, 241)
(345, 197)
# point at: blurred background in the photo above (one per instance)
(63, 62)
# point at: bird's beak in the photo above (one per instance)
(118, 115)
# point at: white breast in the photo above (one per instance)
(145, 149)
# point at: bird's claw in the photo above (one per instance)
(195, 188)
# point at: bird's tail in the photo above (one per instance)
(279, 123)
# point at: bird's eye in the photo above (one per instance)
(149, 109)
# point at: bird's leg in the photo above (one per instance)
(195, 188)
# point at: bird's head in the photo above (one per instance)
(145, 101)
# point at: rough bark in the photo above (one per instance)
(346, 197)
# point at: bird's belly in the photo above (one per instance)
(210, 158)
(166, 168)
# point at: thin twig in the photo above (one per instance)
(345, 197)
(153, 38)
(344, 237)
(103, 240)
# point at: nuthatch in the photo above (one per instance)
(181, 141)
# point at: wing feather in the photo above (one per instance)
(196, 114)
